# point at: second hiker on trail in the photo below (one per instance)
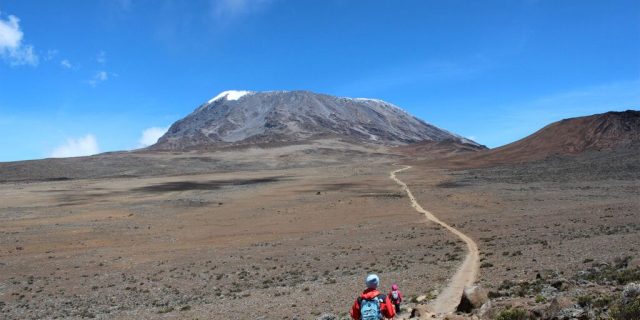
(396, 297)
(372, 304)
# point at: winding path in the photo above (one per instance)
(466, 275)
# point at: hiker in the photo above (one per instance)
(372, 304)
(396, 297)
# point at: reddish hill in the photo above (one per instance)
(573, 136)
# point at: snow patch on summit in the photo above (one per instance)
(230, 95)
(368, 99)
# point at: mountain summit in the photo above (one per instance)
(245, 117)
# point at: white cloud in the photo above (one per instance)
(10, 33)
(150, 136)
(66, 64)
(12, 49)
(76, 147)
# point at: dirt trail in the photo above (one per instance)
(466, 275)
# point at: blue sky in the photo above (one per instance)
(80, 77)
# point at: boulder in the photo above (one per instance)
(420, 312)
(473, 297)
(630, 292)
(634, 263)
(548, 292)
(556, 306)
(327, 316)
(485, 309)
(572, 313)
(560, 284)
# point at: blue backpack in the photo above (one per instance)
(370, 309)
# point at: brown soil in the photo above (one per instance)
(292, 231)
(286, 243)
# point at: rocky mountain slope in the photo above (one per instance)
(245, 117)
(599, 132)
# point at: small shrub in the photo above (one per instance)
(585, 300)
(602, 301)
(540, 299)
(165, 310)
(628, 275)
(512, 314)
(626, 311)
(617, 272)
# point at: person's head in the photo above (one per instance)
(372, 281)
(394, 287)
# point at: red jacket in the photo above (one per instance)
(386, 307)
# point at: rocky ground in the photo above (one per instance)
(282, 243)
(551, 233)
(294, 236)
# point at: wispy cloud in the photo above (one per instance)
(76, 147)
(150, 136)
(50, 54)
(12, 48)
(227, 10)
(100, 76)
(66, 64)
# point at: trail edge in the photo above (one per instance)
(449, 298)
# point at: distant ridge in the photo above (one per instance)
(599, 132)
(247, 117)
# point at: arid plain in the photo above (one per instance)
(289, 232)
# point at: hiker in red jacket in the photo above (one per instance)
(396, 297)
(372, 304)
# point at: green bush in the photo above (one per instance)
(616, 272)
(602, 301)
(628, 311)
(512, 314)
(627, 275)
(585, 300)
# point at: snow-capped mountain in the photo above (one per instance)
(241, 117)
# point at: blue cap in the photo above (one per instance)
(372, 281)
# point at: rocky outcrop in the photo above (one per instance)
(473, 297)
